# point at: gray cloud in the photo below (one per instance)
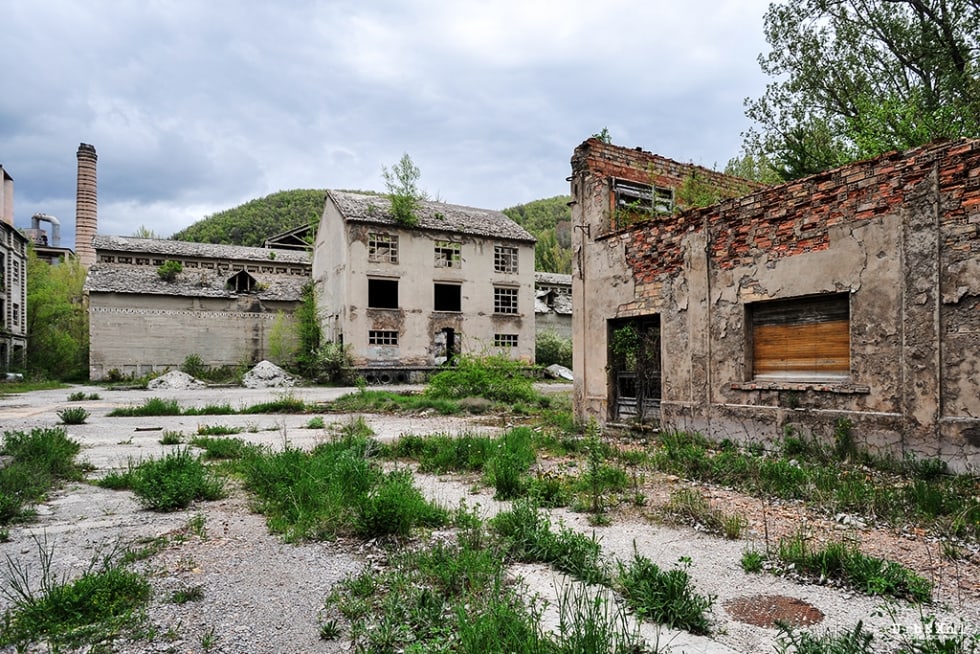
(197, 107)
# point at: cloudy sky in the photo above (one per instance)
(198, 106)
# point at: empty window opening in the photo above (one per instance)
(801, 338)
(448, 254)
(383, 248)
(242, 282)
(505, 340)
(447, 297)
(504, 300)
(636, 196)
(382, 337)
(383, 293)
(505, 258)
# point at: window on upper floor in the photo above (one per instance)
(505, 259)
(383, 293)
(504, 300)
(640, 197)
(382, 248)
(804, 339)
(447, 297)
(447, 254)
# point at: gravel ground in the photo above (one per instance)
(261, 595)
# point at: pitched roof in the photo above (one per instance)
(193, 282)
(168, 248)
(434, 216)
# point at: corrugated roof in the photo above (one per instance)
(194, 282)
(435, 216)
(168, 248)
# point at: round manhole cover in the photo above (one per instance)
(765, 610)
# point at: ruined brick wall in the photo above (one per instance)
(900, 234)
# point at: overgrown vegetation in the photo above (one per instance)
(57, 319)
(404, 194)
(552, 348)
(169, 270)
(169, 483)
(40, 460)
(550, 221)
(89, 610)
(156, 406)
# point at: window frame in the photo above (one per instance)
(448, 254)
(436, 297)
(505, 340)
(799, 339)
(382, 247)
(506, 259)
(511, 306)
(383, 337)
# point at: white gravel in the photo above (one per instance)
(261, 595)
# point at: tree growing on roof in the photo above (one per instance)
(401, 182)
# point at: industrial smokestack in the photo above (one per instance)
(86, 205)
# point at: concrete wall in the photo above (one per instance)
(140, 334)
(13, 282)
(342, 272)
(900, 235)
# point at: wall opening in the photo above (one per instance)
(635, 368)
(383, 293)
(448, 297)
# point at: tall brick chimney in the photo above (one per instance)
(86, 205)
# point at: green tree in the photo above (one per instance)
(401, 181)
(856, 78)
(308, 333)
(57, 319)
(283, 339)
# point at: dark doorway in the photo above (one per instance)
(450, 335)
(636, 368)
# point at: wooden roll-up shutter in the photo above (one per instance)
(802, 337)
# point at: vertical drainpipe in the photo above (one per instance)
(86, 204)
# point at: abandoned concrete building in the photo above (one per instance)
(13, 281)
(553, 303)
(406, 297)
(221, 306)
(852, 295)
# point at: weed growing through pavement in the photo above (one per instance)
(170, 437)
(91, 609)
(169, 483)
(40, 460)
(664, 596)
(73, 415)
(80, 396)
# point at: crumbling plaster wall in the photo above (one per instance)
(157, 332)
(899, 234)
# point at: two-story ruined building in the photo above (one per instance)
(852, 295)
(460, 280)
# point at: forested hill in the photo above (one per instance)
(550, 221)
(256, 220)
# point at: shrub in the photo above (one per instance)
(73, 415)
(551, 348)
(169, 270)
(174, 481)
(495, 378)
(194, 366)
(664, 596)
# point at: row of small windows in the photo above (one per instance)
(383, 294)
(390, 337)
(383, 248)
(206, 265)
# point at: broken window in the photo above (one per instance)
(383, 248)
(15, 318)
(505, 340)
(636, 196)
(505, 258)
(382, 337)
(447, 297)
(447, 254)
(242, 282)
(504, 300)
(383, 293)
(801, 338)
